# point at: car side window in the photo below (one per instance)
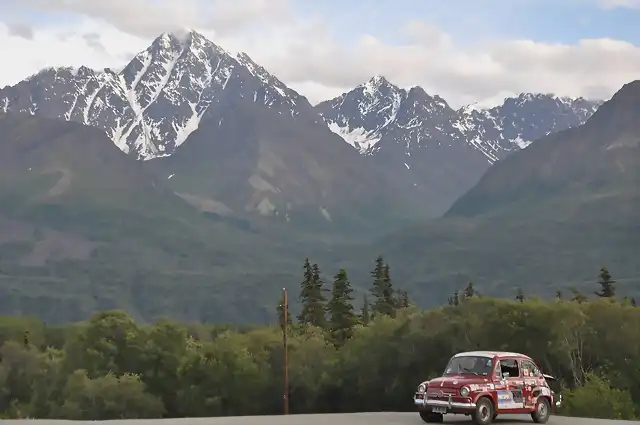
(509, 368)
(529, 369)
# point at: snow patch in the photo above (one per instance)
(359, 138)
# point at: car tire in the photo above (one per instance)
(542, 412)
(432, 418)
(483, 415)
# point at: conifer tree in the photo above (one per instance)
(364, 314)
(403, 299)
(342, 318)
(455, 299)
(607, 284)
(469, 291)
(559, 295)
(312, 297)
(382, 290)
(520, 295)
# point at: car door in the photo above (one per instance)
(530, 374)
(510, 391)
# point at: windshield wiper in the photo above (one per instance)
(470, 371)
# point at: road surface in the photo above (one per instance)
(335, 419)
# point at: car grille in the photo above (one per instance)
(441, 394)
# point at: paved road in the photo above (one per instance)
(337, 419)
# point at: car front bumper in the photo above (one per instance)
(448, 405)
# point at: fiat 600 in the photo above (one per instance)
(485, 384)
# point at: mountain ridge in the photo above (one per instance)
(544, 219)
(419, 151)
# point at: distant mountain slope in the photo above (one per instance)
(255, 147)
(545, 218)
(439, 150)
(150, 107)
(83, 227)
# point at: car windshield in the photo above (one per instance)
(475, 365)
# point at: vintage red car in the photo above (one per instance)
(485, 384)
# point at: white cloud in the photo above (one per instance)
(613, 4)
(303, 53)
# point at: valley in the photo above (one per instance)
(193, 184)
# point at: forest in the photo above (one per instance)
(340, 358)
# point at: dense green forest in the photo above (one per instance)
(341, 358)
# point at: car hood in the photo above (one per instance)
(456, 381)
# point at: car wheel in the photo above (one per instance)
(542, 412)
(432, 418)
(483, 415)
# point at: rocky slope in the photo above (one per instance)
(545, 218)
(438, 148)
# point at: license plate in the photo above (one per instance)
(439, 410)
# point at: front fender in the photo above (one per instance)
(477, 396)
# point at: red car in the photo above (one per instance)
(485, 384)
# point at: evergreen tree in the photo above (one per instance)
(520, 295)
(455, 299)
(469, 291)
(382, 290)
(559, 295)
(364, 314)
(312, 297)
(607, 284)
(633, 301)
(342, 319)
(403, 299)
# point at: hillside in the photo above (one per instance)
(84, 228)
(438, 151)
(255, 149)
(545, 218)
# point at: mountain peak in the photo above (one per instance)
(376, 82)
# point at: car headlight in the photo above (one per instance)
(422, 388)
(464, 391)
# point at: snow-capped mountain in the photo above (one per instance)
(438, 150)
(152, 105)
(377, 114)
(256, 145)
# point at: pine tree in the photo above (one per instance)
(455, 299)
(312, 297)
(559, 295)
(469, 291)
(403, 299)
(607, 284)
(364, 314)
(382, 290)
(520, 295)
(342, 319)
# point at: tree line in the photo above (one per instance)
(340, 359)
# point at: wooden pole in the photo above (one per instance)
(285, 308)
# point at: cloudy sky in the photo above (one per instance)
(464, 50)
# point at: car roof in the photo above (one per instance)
(491, 354)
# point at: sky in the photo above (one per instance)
(467, 51)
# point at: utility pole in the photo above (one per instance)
(285, 309)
